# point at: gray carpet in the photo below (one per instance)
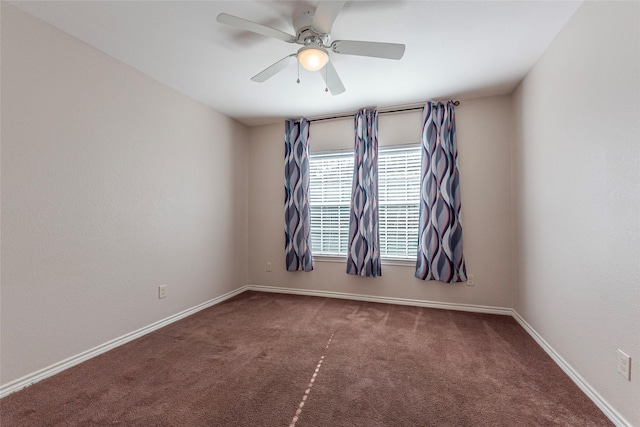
(263, 359)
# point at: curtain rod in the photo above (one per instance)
(399, 110)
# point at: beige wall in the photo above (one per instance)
(576, 182)
(112, 184)
(484, 133)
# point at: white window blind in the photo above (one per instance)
(329, 202)
(399, 201)
(331, 178)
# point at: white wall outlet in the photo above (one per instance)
(471, 280)
(162, 291)
(269, 267)
(624, 365)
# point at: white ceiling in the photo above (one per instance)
(453, 49)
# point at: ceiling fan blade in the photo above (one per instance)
(331, 79)
(254, 27)
(325, 15)
(374, 49)
(275, 68)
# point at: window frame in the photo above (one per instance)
(385, 259)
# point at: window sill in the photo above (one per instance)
(385, 261)
(399, 262)
(329, 258)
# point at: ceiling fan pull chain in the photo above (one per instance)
(326, 76)
(298, 81)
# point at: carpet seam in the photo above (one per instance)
(307, 392)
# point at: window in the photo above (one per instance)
(329, 202)
(331, 176)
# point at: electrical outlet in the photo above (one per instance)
(624, 365)
(162, 291)
(269, 267)
(471, 280)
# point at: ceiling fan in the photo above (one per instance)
(313, 33)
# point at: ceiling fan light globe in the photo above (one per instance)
(312, 58)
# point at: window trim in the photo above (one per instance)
(385, 259)
(400, 262)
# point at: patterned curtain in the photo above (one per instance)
(297, 223)
(363, 253)
(440, 234)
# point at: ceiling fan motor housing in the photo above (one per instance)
(305, 33)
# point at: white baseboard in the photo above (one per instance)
(385, 300)
(27, 380)
(604, 406)
(33, 378)
(51, 370)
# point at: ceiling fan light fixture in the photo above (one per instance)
(313, 58)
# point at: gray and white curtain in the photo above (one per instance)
(440, 233)
(297, 223)
(363, 252)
